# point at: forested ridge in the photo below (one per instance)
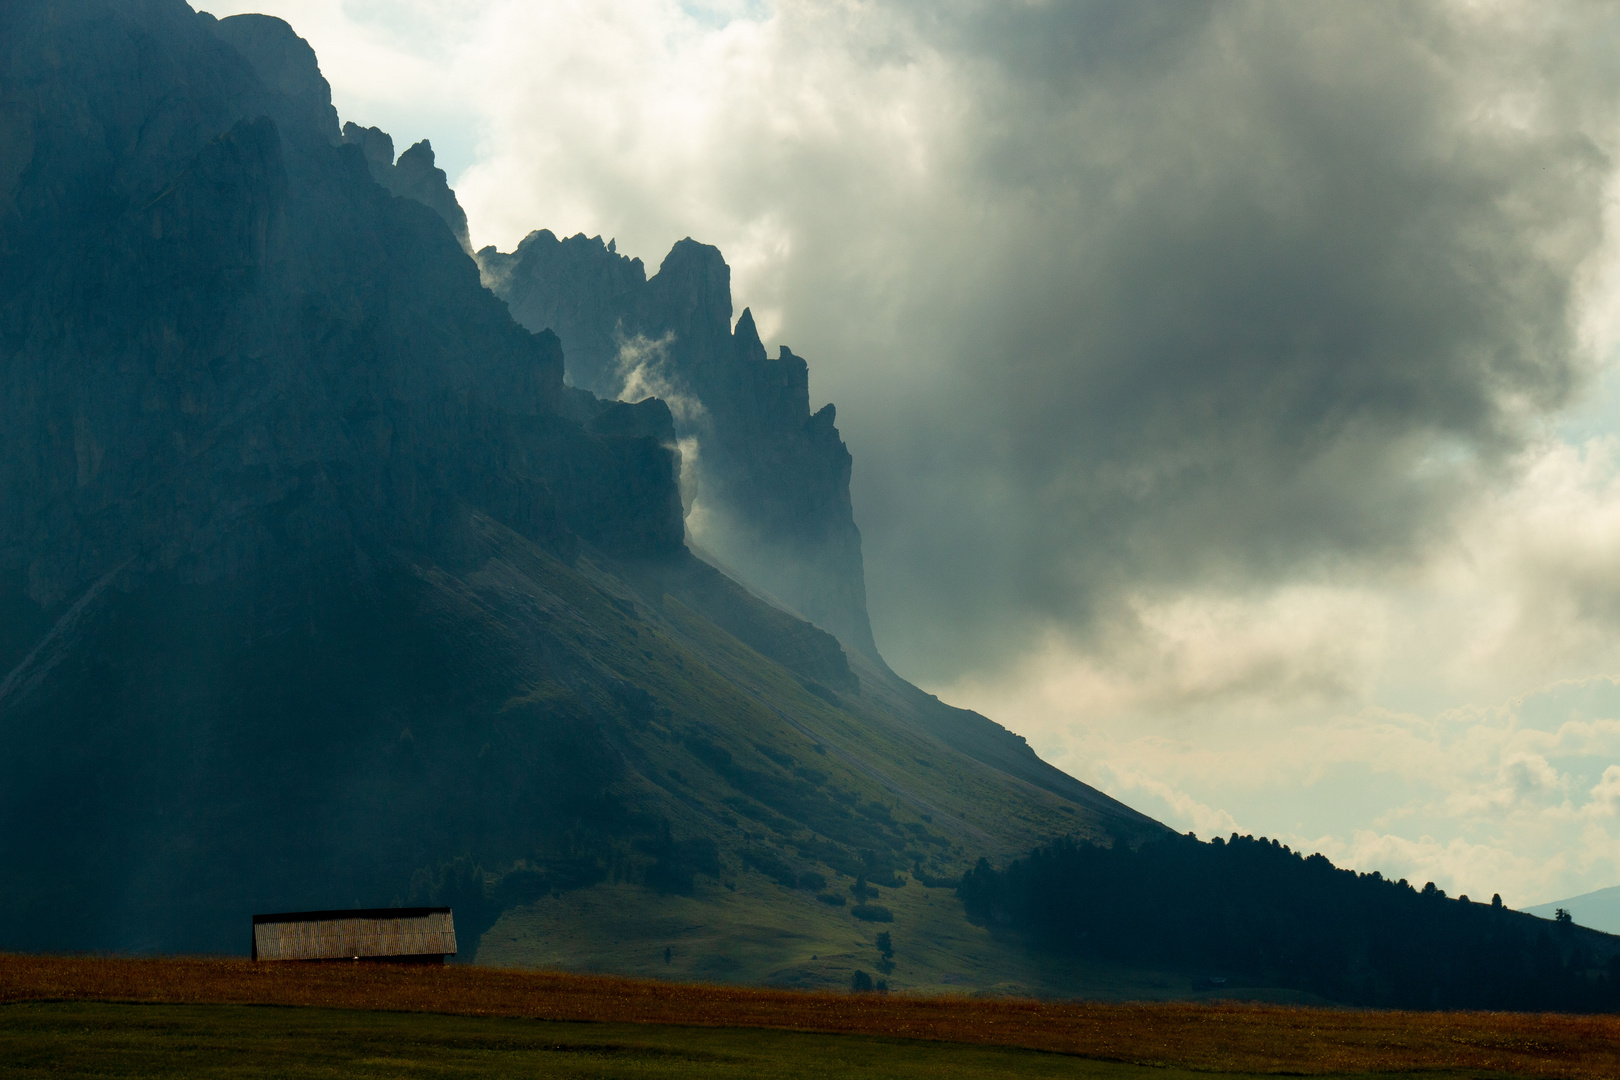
(1255, 912)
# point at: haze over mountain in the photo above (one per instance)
(1600, 910)
(318, 586)
(770, 481)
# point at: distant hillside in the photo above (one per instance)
(319, 587)
(1599, 910)
(1252, 914)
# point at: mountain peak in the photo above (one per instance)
(746, 336)
(771, 484)
(287, 65)
(413, 176)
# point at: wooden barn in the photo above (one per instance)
(385, 935)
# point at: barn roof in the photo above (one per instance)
(360, 934)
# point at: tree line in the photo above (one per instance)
(1252, 910)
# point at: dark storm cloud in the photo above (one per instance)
(1115, 299)
(1224, 293)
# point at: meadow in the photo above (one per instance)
(128, 1017)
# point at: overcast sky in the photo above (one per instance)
(1228, 384)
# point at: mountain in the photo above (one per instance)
(320, 587)
(1599, 910)
(412, 176)
(768, 479)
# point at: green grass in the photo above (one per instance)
(116, 1041)
(765, 934)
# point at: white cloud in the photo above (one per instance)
(1271, 708)
(1605, 795)
(1519, 799)
(392, 64)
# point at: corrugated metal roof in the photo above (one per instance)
(369, 934)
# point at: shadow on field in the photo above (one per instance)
(116, 1041)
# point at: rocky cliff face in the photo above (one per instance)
(413, 176)
(769, 480)
(224, 343)
(252, 403)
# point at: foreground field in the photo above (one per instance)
(127, 1041)
(622, 1039)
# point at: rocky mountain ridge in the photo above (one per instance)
(320, 587)
(770, 479)
(413, 176)
(210, 323)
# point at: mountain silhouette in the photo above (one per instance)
(320, 586)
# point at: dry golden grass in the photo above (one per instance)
(1247, 1038)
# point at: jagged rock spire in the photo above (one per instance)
(773, 479)
(413, 176)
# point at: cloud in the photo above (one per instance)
(1520, 797)
(643, 372)
(1605, 795)
(391, 64)
(1284, 289)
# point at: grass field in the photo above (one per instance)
(79, 1015)
(118, 1041)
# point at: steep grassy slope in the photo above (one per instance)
(802, 788)
(752, 750)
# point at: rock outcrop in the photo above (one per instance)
(413, 176)
(771, 479)
(224, 342)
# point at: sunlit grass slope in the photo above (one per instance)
(764, 933)
(830, 795)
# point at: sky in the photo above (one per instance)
(1231, 387)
